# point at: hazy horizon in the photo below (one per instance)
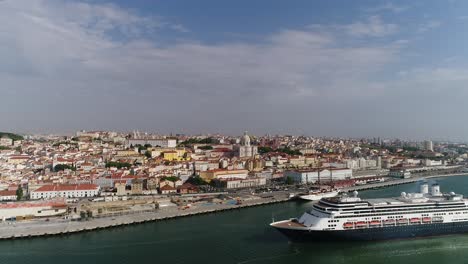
(360, 69)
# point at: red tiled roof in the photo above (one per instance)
(167, 188)
(7, 193)
(67, 187)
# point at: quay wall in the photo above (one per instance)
(64, 227)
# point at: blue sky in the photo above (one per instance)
(337, 68)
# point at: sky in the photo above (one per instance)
(390, 69)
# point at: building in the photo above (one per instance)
(120, 186)
(8, 195)
(428, 145)
(428, 162)
(155, 142)
(137, 186)
(399, 173)
(221, 173)
(318, 175)
(187, 188)
(234, 183)
(167, 189)
(22, 210)
(6, 141)
(67, 191)
(245, 149)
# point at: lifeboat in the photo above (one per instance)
(426, 219)
(402, 221)
(374, 223)
(348, 225)
(415, 220)
(361, 224)
(389, 222)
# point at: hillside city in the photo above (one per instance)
(102, 173)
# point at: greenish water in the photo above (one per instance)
(236, 237)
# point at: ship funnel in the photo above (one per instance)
(424, 188)
(435, 190)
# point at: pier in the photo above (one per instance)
(397, 182)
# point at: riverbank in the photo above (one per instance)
(54, 227)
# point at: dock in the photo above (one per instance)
(61, 227)
(397, 182)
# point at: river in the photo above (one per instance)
(241, 236)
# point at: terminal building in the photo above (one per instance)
(319, 175)
(67, 191)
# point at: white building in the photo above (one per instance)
(314, 175)
(161, 142)
(234, 183)
(428, 162)
(67, 191)
(428, 146)
(8, 195)
(16, 210)
(6, 141)
(245, 149)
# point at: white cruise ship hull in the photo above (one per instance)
(371, 234)
(407, 216)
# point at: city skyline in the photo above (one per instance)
(392, 69)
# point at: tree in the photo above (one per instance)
(196, 180)
(148, 154)
(205, 147)
(19, 193)
(62, 167)
(118, 165)
(263, 150)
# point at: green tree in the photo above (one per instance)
(205, 147)
(62, 167)
(148, 154)
(263, 150)
(196, 180)
(19, 193)
(118, 165)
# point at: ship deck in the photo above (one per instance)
(288, 224)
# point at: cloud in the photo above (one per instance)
(429, 26)
(75, 65)
(374, 27)
(64, 61)
(387, 7)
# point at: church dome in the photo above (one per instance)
(245, 140)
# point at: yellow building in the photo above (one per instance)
(177, 154)
(124, 153)
(223, 174)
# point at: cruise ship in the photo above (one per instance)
(411, 215)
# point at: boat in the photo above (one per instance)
(411, 215)
(315, 196)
